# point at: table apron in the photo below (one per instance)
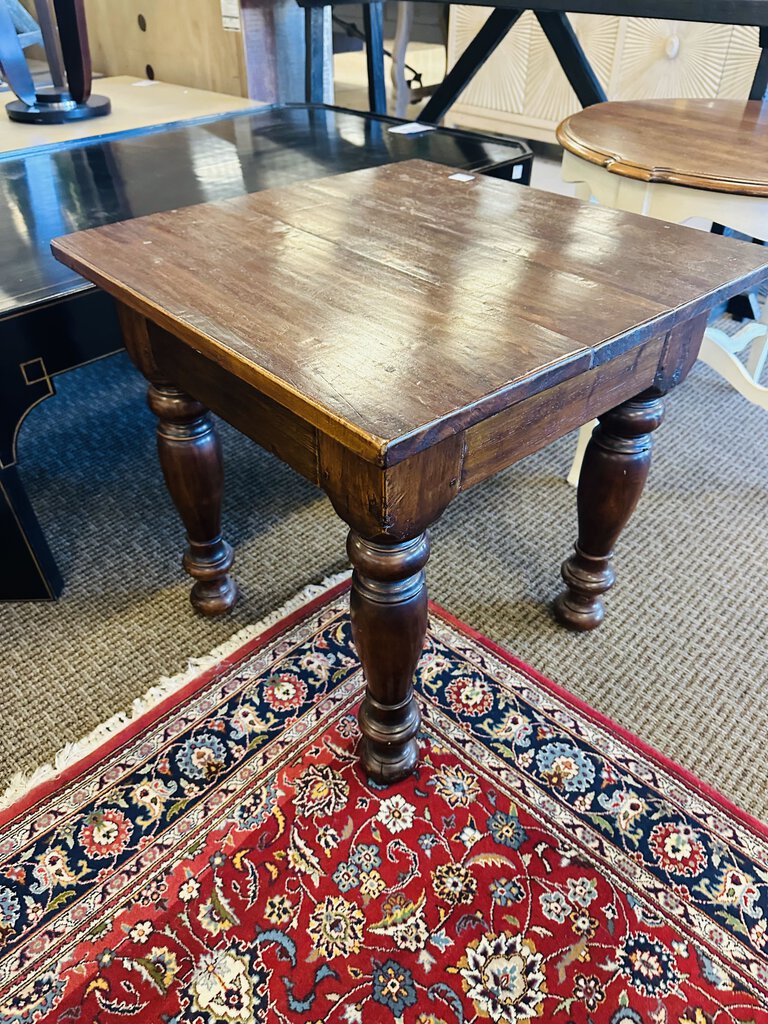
(399, 500)
(259, 417)
(660, 363)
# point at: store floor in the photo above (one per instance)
(680, 659)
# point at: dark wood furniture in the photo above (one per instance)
(51, 320)
(553, 18)
(399, 335)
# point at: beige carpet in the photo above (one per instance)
(681, 658)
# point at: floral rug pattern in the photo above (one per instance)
(229, 862)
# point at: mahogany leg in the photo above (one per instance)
(613, 474)
(190, 457)
(389, 622)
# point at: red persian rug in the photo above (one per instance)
(225, 860)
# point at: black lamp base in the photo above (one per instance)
(56, 106)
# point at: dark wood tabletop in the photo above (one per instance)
(53, 189)
(398, 335)
(395, 306)
(52, 320)
(718, 145)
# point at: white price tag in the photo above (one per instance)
(461, 177)
(230, 15)
(412, 128)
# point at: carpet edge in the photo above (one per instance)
(687, 776)
(23, 783)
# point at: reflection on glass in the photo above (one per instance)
(217, 167)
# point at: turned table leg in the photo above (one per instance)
(388, 606)
(613, 474)
(190, 457)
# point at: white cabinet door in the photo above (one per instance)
(548, 94)
(669, 60)
(500, 85)
(523, 90)
(740, 64)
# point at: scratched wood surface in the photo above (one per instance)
(717, 145)
(399, 305)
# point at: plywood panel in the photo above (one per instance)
(135, 105)
(183, 43)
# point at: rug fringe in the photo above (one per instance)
(22, 783)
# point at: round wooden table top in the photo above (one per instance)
(717, 145)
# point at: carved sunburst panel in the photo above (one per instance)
(548, 94)
(634, 58)
(740, 64)
(500, 84)
(671, 59)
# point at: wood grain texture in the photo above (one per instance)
(616, 465)
(717, 145)
(172, 43)
(388, 609)
(394, 502)
(397, 336)
(190, 457)
(261, 418)
(394, 307)
(525, 428)
(530, 425)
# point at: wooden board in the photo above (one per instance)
(716, 145)
(396, 306)
(136, 103)
(182, 43)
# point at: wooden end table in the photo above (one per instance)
(52, 321)
(398, 335)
